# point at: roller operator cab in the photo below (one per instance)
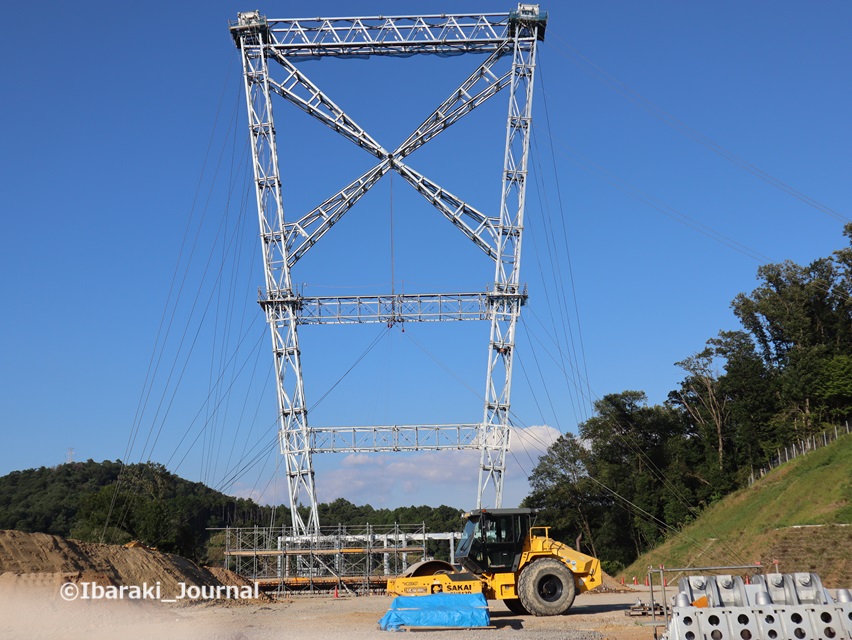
(504, 555)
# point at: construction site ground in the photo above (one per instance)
(34, 569)
(29, 610)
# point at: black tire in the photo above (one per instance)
(546, 587)
(514, 605)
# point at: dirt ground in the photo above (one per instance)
(31, 607)
(48, 590)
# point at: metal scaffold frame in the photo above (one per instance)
(511, 35)
(354, 558)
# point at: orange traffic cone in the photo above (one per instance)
(335, 593)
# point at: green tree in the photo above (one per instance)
(834, 387)
(563, 492)
(801, 319)
(751, 389)
(702, 396)
(624, 481)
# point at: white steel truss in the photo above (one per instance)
(500, 35)
(393, 309)
(392, 35)
(419, 437)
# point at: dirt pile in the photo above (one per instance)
(611, 585)
(226, 576)
(41, 558)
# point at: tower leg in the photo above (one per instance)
(506, 299)
(278, 301)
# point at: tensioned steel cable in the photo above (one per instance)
(638, 99)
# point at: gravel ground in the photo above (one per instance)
(33, 609)
(43, 580)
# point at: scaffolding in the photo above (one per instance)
(356, 559)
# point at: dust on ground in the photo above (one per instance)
(28, 611)
(34, 568)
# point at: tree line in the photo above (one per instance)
(115, 503)
(635, 472)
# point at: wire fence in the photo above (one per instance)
(796, 449)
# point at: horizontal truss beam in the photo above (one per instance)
(412, 307)
(437, 307)
(391, 35)
(422, 437)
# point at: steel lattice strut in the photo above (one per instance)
(284, 41)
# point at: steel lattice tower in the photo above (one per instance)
(501, 35)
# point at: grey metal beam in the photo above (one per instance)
(454, 209)
(307, 231)
(389, 35)
(506, 306)
(430, 307)
(292, 410)
(302, 92)
(476, 89)
(422, 437)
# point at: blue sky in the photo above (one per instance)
(125, 200)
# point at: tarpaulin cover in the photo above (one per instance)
(439, 610)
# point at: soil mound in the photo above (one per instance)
(55, 559)
(226, 576)
(611, 585)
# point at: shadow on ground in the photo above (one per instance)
(508, 619)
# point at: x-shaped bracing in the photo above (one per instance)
(482, 84)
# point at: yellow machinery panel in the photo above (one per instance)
(438, 583)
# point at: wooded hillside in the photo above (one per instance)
(635, 473)
(100, 501)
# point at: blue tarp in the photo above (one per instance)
(439, 610)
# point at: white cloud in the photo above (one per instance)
(395, 479)
(430, 477)
(533, 440)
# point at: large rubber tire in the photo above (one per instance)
(514, 605)
(546, 587)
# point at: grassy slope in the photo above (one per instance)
(749, 525)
